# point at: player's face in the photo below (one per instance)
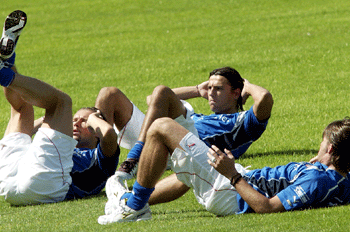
(81, 132)
(222, 99)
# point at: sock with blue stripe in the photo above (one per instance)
(6, 76)
(139, 197)
(6, 73)
(10, 61)
(136, 150)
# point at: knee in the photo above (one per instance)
(110, 92)
(161, 91)
(160, 126)
(64, 101)
(110, 98)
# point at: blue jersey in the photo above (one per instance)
(235, 132)
(90, 171)
(299, 186)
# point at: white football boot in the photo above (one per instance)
(14, 24)
(116, 209)
(114, 191)
(126, 214)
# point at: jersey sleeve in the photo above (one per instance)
(107, 164)
(253, 126)
(82, 159)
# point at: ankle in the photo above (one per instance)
(140, 196)
(136, 150)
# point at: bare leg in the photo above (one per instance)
(160, 141)
(168, 189)
(22, 114)
(58, 105)
(163, 103)
(115, 106)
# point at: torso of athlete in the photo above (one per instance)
(235, 132)
(299, 186)
(90, 171)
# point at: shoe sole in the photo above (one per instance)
(141, 217)
(144, 217)
(13, 26)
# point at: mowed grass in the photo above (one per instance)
(299, 50)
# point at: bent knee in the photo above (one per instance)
(161, 125)
(110, 91)
(64, 102)
(161, 91)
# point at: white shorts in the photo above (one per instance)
(36, 172)
(211, 189)
(187, 122)
(128, 136)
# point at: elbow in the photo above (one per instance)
(269, 206)
(263, 208)
(109, 142)
(261, 211)
(108, 136)
(267, 99)
(264, 106)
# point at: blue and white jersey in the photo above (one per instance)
(235, 132)
(299, 186)
(90, 171)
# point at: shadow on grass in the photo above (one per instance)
(288, 152)
(101, 195)
(161, 212)
(182, 214)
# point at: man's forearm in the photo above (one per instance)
(187, 92)
(258, 202)
(263, 100)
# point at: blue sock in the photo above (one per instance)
(140, 196)
(6, 76)
(135, 151)
(6, 73)
(126, 195)
(10, 61)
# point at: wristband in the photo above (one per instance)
(236, 178)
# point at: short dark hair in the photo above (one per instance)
(234, 78)
(338, 134)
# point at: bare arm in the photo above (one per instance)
(263, 100)
(225, 164)
(37, 124)
(105, 132)
(189, 92)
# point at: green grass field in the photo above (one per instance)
(299, 50)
